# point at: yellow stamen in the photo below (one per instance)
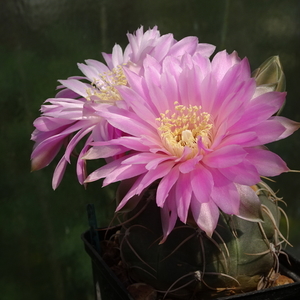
(104, 89)
(183, 128)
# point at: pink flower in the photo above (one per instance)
(72, 114)
(198, 128)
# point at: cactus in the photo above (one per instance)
(239, 257)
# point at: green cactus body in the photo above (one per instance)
(240, 256)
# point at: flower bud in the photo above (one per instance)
(270, 75)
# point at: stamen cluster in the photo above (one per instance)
(104, 87)
(184, 128)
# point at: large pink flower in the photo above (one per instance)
(72, 114)
(198, 128)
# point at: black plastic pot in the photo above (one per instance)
(108, 286)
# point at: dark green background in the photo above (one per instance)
(42, 256)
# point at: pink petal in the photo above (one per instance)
(233, 88)
(45, 152)
(186, 45)
(188, 165)
(206, 215)
(187, 86)
(135, 82)
(171, 66)
(49, 124)
(202, 67)
(222, 62)
(267, 132)
(76, 86)
(89, 71)
(150, 160)
(152, 175)
(76, 138)
(138, 104)
(231, 106)
(81, 163)
(47, 149)
(165, 186)
(242, 139)
(169, 86)
(225, 194)
(201, 184)
(127, 141)
(104, 171)
(124, 172)
(127, 121)
(266, 162)
(141, 158)
(168, 215)
(131, 193)
(59, 172)
(152, 71)
(208, 90)
(260, 109)
(162, 48)
(205, 49)
(225, 157)
(158, 98)
(183, 196)
(67, 93)
(103, 152)
(156, 161)
(289, 125)
(250, 206)
(108, 59)
(99, 66)
(117, 56)
(242, 173)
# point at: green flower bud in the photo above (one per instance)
(270, 75)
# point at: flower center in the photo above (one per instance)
(104, 88)
(183, 128)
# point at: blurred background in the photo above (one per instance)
(41, 41)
